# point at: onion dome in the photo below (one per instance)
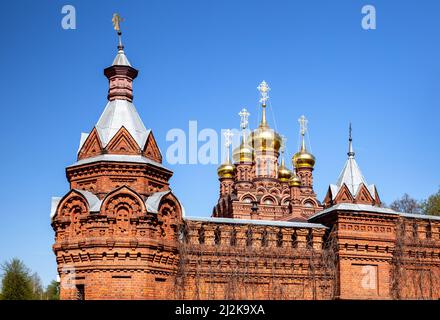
(303, 159)
(264, 138)
(294, 180)
(243, 153)
(226, 170)
(284, 174)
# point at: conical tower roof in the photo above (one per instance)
(351, 175)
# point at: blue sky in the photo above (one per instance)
(202, 60)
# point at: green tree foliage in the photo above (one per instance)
(16, 281)
(53, 291)
(432, 204)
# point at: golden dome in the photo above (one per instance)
(284, 174)
(265, 139)
(226, 170)
(294, 181)
(303, 159)
(243, 153)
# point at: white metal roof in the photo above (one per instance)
(351, 176)
(54, 205)
(355, 207)
(93, 201)
(419, 216)
(118, 114)
(373, 209)
(153, 201)
(121, 59)
(256, 222)
(118, 158)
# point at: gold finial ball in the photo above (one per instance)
(303, 159)
(284, 174)
(294, 181)
(226, 170)
(243, 153)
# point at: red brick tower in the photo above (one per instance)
(115, 230)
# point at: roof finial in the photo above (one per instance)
(264, 92)
(303, 128)
(120, 59)
(228, 141)
(350, 152)
(116, 25)
(283, 148)
(244, 122)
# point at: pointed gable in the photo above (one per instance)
(363, 195)
(344, 195)
(151, 150)
(91, 146)
(122, 143)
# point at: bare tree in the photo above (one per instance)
(406, 204)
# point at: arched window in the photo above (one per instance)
(257, 167)
(308, 204)
(268, 168)
(268, 201)
(247, 200)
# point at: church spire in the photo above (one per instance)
(120, 59)
(352, 179)
(350, 152)
(120, 74)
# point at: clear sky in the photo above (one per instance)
(202, 60)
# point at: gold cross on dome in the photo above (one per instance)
(264, 90)
(303, 124)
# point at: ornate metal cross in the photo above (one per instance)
(303, 124)
(283, 143)
(264, 92)
(244, 116)
(228, 137)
